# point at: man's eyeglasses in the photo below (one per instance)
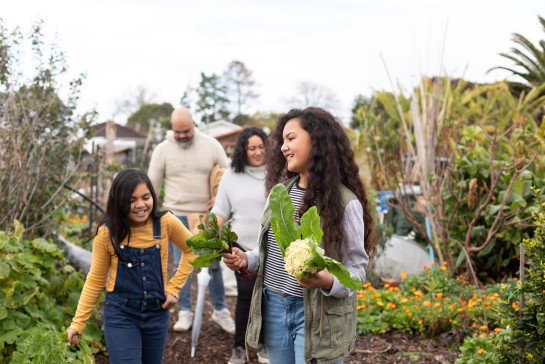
(256, 147)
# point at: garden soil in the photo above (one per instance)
(214, 345)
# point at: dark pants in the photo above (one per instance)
(245, 287)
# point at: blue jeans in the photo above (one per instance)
(284, 327)
(134, 335)
(216, 290)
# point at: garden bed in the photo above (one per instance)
(215, 346)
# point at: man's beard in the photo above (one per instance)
(185, 145)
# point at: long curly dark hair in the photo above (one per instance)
(119, 204)
(240, 157)
(332, 164)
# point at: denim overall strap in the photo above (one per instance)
(139, 279)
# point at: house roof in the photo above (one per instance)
(121, 131)
(219, 127)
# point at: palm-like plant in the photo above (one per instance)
(529, 59)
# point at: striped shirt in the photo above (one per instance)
(276, 275)
(104, 262)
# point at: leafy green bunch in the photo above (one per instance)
(212, 243)
(286, 231)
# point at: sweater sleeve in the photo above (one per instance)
(354, 257)
(95, 281)
(178, 234)
(156, 170)
(221, 157)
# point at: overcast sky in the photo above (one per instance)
(164, 45)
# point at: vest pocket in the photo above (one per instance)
(341, 324)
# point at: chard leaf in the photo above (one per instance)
(206, 261)
(227, 235)
(212, 243)
(200, 241)
(310, 225)
(283, 225)
(316, 260)
(342, 274)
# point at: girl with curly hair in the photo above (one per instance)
(311, 319)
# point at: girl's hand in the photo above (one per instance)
(236, 260)
(169, 302)
(72, 336)
(322, 279)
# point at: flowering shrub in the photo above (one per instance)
(430, 303)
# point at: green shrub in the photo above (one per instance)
(478, 350)
(37, 288)
(524, 337)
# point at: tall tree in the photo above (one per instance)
(314, 94)
(240, 82)
(212, 99)
(136, 99)
(529, 59)
(140, 120)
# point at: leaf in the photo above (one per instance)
(310, 225)
(342, 274)
(316, 260)
(283, 225)
(4, 270)
(206, 261)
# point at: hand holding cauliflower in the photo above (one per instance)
(300, 244)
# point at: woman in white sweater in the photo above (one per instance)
(241, 197)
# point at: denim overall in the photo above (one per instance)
(135, 325)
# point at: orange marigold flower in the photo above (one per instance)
(420, 322)
(483, 327)
(380, 303)
(425, 266)
(443, 267)
(474, 324)
(403, 275)
(515, 279)
(426, 303)
(386, 285)
(437, 304)
(497, 330)
(404, 300)
(480, 351)
(366, 285)
(440, 294)
(432, 263)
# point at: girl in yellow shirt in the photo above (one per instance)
(130, 255)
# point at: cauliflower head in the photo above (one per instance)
(295, 257)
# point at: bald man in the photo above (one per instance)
(184, 161)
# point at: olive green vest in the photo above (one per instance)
(330, 322)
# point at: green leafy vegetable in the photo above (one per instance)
(212, 243)
(302, 261)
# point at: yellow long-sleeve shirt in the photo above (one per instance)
(104, 261)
